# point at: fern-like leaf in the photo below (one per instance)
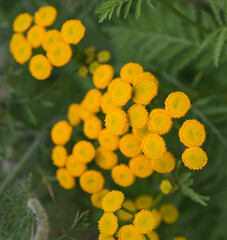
(138, 9)
(127, 8)
(219, 46)
(216, 12)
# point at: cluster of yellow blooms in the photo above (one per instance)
(55, 43)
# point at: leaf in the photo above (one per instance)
(216, 12)
(150, 4)
(219, 47)
(127, 8)
(30, 115)
(118, 10)
(47, 103)
(138, 9)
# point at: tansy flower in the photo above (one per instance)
(103, 56)
(192, 133)
(59, 156)
(107, 103)
(108, 141)
(72, 31)
(92, 181)
(164, 164)
(145, 221)
(169, 213)
(35, 36)
(152, 235)
(166, 187)
(15, 40)
(61, 133)
(112, 84)
(105, 237)
(153, 146)
(129, 232)
(108, 224)
(45, 16)
(92, 100)
(84, 112)
(124, 216)
(50, 37)
(103, 75)
(22, 22)
(59, 53)
(120, 92)
(144, 91)
(122, 175)
(143, 202)
(112, 201)
(84, 151)
(138, 116)
(159, 121)
(177, 104)
(92, 127)
(194, 158)
(65, 179)
(141, 166)
(22, 52)
(140, 133)
(145, 75)
(180, 238)
(73, 114)
(129, 145)
(129, 71)
(40, 67)
(116, 122)
(74, 167)
(96, 198)
(158, 217)
(105, 159)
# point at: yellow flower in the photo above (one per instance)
(92, 100)
(152, 235)
(192, 133)
(103, 56)
(35, 36)
(92, 127)
(22, 52)
(112, 84)
(177, 104)
(96, 198)
(75, 167)
(116, 122)
(145, 75)
(40, 67)
(84, 112)
(140, 133)
(166, 187)
(159, 121)
(144, 91)
(45, 16)
(50, 37)
(141, 166)
(129, 145)
(103, 75)
(59, 54)
(105, 237)
(145, 221)
(105, 159)
(22, 22)
(120, 92)
(72, 31)
(84, 151)
(59, 156)
(169, 213)
(158, 217)
(180, 238)
(15, 40)
(153, 146)
(194, 158)
(92, 181)
(138, 116)
(164, 164)
(124, 216)
(108, 224)
(112, 201)
(143, 202)
(73, 114)
(61, 133)
(108, 141)
(122, 175)
(129, 232)
(129, 71)
(65, 179)
(107, 103)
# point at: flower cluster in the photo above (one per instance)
(32, 32)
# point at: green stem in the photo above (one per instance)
(24, 159)
(183, 17)
(156, 201)
(128, 211)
